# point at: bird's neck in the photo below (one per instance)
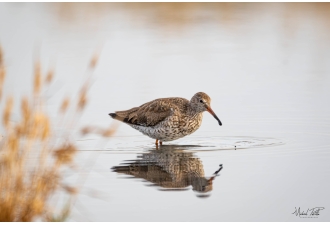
(192, 112)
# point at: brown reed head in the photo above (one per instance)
(32, 157)
(30, 162)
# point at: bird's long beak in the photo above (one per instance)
(215, 174)
(213, 114)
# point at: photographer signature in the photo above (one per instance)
(309, 213)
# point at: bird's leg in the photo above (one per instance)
(156, 143)
(161, 143)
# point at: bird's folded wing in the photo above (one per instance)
(148, 114)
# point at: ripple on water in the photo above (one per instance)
(216, 143)
(201, 143)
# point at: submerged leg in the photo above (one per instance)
(161, 143)
(156, 143)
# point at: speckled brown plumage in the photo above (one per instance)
(167, 119)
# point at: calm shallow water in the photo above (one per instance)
(265, 66)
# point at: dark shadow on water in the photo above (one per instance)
(170, 168)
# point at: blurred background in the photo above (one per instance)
(264, 65)
(151, 50)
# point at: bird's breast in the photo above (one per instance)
(172, 128)
(186, 124)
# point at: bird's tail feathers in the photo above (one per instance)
(116, 117)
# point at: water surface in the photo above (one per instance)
(265, 66)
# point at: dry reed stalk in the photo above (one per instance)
(103, 132)
(64, 105)
(49, 77)
(82, 98)
(94, 61)
(7, 112)
(37, 78)
(2, 71)
(29, 164)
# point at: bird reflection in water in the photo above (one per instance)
(171, 169)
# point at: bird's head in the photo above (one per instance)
(201, 102)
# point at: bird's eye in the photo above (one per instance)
(201, 101)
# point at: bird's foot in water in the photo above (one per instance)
(160, 142)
